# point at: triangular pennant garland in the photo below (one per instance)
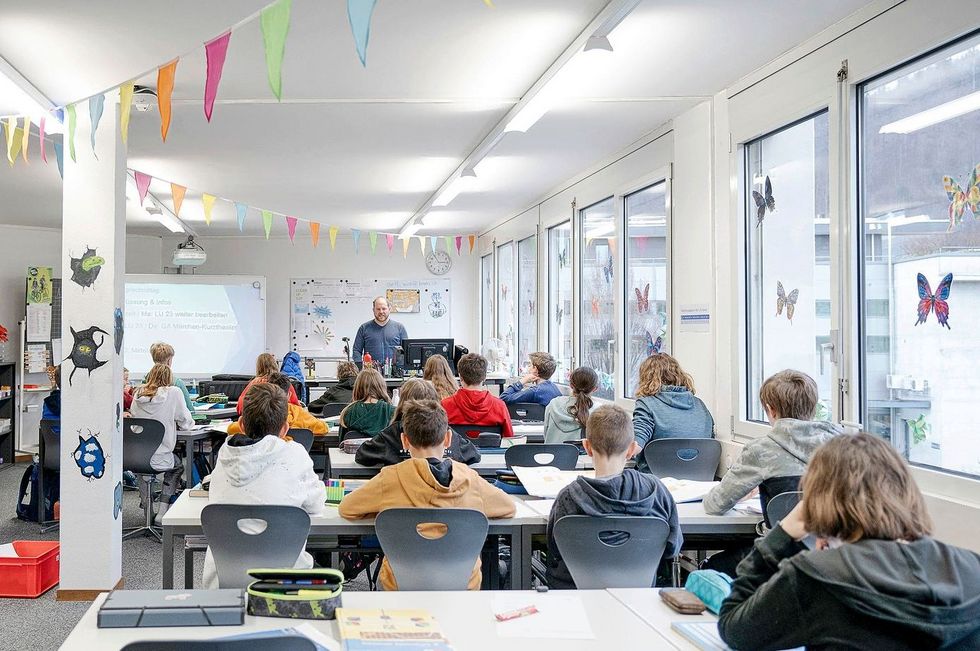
(333, 237)
(291, 228)
(422, 244)
(390, 241)
(177, 192)
(356, 234)
(449, 243)
(359, 15)
(40, 128)
(59, 154)
(434, 242)
(70, 109)
(10, 127)
(315, 233)
(267, 222)
(208, 201)
(240, 210)
(472, 239)
(459, 243)
(374, 241)
(275, 25)
(405, 242)
(165, 90)
(142, 184)
(125, 108)
(215, 50)
(25, 141)
(96, 105)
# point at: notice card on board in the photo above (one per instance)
(39, 322)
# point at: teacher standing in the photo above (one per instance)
(380, 336)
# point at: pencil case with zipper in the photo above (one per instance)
(296, 594)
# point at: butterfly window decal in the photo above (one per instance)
(563, 259)
(595, 306)
(654, 346)
(929, 302)
(558, 315)
(763, 202)
(787, 301)
(503, 291)
(959, 198)
(607, 270)
(530, 307)
(918, 427)
(642, 300)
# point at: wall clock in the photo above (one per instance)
(438, 262)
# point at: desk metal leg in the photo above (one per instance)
(517, 553)
(525, 561)
(189, 463)
(168, 557)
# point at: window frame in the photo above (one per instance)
(520, 283)
(578, 234)
(550, 285)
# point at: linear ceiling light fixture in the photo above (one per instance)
(952, 109)
(25, 99)
(460, 183)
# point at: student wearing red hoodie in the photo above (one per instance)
(473, 404)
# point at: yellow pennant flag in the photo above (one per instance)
(26, 140)
(422, 244)
(125, 106)
(208, 201)
(72, 123)
(315, 233)
(405, 241)
(11, 126)
(333, 237)
(488, 3)
(177, 192)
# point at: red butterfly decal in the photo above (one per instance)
(643, 300)
(929, 302)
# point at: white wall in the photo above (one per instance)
(279, 260)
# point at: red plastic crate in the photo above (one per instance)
(33, 572)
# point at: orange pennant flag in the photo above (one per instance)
(315, 233)
(178, 192)
(472, 242)
(165, 90)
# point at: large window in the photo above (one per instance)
(527, 281)
(920, 214)
(598, 335)
(560, 298)
(486, 298)
(506, 297)
(787, 258)
(646, 278)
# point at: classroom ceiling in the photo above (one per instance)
(365, 147)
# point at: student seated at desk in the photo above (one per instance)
(473, 404)
(340, 393)
(438, 372)
(259, 466)
(666, 406)
(565, 417)
(297, 416)
(163, 353)
(426, 480)
(615, 490)
(371, 410)
(876, 579)
(158, 399)
(535, 385)
(387, 449)
(51, 409)
(790, 400)
(265, 365)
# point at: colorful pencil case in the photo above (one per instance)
(710, 586)
(297, 594)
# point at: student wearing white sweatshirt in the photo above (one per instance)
(259, 466)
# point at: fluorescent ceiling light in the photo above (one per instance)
(934, 115)
(410, 230)
(531, 112)
(21, 98)
(457, 185)
(169, 221)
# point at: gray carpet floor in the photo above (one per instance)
(43, 623)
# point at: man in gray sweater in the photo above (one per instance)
(790, 400)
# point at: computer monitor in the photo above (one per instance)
(418, 351)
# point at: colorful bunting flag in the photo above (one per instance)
(422, 244)
(374, 241)
(356, 234)
(333, 237)
(44, 155)
(208, 201)
(291, 228)
(449, 243)
(434, 242)
(472, 239)
(26, 139)
(10, 127)
(125, 108)
(390, 241)
(215, 50)
(59, 154)
(70, 109)
(267, 222)
(177, 192)
(315, 233)
(459, 243)
(359, 14)
(275, 24)
(488, 3)
(165, 90)
(18, 140)
(96, 105)
(241, 209)
(142, 184)
(405, 243)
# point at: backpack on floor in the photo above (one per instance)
(27, 496)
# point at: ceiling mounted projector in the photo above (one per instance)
(189, 253)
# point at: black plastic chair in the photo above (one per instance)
(695, 459)
(533, 455)
(611, 552)
(332, 409)
(772, 487)
(236, 550)
(302, 436)
(49, 454)
(422, 563)
(141, 438)
(285, 643)
(482, 436)
(526, 411)
(780, 506)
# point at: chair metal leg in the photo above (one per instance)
(146, 494)
(188, 567)
(675, 572)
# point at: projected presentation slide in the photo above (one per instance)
(214, 328)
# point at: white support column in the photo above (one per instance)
(93, 275)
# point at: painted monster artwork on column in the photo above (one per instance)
(86, 268)
(84, 350)
(89, 456)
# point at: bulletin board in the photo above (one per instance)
(324, 310)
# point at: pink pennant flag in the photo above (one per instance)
(333, 237)
(472, 242)
(142, 184)
(291, 227)
(44, 156)
(459, 243)
(390, 241)
(315, 233)
(215, 50)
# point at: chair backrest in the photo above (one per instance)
(332, 409)
(422, 563)
(243, 537)
(683, 458)
(52, 446)
(611, 552)
(780, 506)
(772, 487)
(526, 410)
(285, 643)
(141, 438)
(563, 456)
(231, 388)
(482, 436)
(302, 436)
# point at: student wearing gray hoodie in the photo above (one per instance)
(876, 579)
(565, 416)
(790, 400)
(666, 406)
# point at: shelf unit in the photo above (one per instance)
(7, 412)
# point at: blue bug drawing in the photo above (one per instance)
(117, 501)
(322, 311)
(89, 456)
(117, 330)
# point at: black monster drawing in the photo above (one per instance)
(86, 268)
(118, 330)
(84, 350)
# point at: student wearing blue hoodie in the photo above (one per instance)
(615, 490)
(535, 385)
(292, 367)
(666, 406)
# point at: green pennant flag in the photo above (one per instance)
(374, 241)
(70, 109)
(449, 243)
(267, 222)
(275, 25)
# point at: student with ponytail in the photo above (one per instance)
(565, 417)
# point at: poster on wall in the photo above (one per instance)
(404, 301)
(39, 287)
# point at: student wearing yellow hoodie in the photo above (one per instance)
(426, 480)
(297, 417)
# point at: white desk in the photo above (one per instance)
(466, 618)
(648, 606)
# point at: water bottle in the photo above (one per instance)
(394, 397)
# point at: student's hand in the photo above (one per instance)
(529, 378)
(793, 525)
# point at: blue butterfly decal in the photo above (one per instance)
(89, 456)
(606, 381)
(654, 347)
(607, 270)
(117, 501)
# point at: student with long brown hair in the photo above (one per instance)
(666, 406)
(265, 366)
(565, 417)
(876, 580)
(371, 409)
(438, 372)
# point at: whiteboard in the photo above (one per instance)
(324, 310)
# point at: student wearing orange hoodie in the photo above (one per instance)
(297, 417)
(426, 480)
(473, 404)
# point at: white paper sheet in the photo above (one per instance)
(752, 506)
(36, 358)
(541, 507)
(559, 616)
(547, 481)
(38, 322)
(7, 551)
(688, 490)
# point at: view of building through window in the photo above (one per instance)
(598, 269)
(560, 299)
(527, 291)
(506, 319)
